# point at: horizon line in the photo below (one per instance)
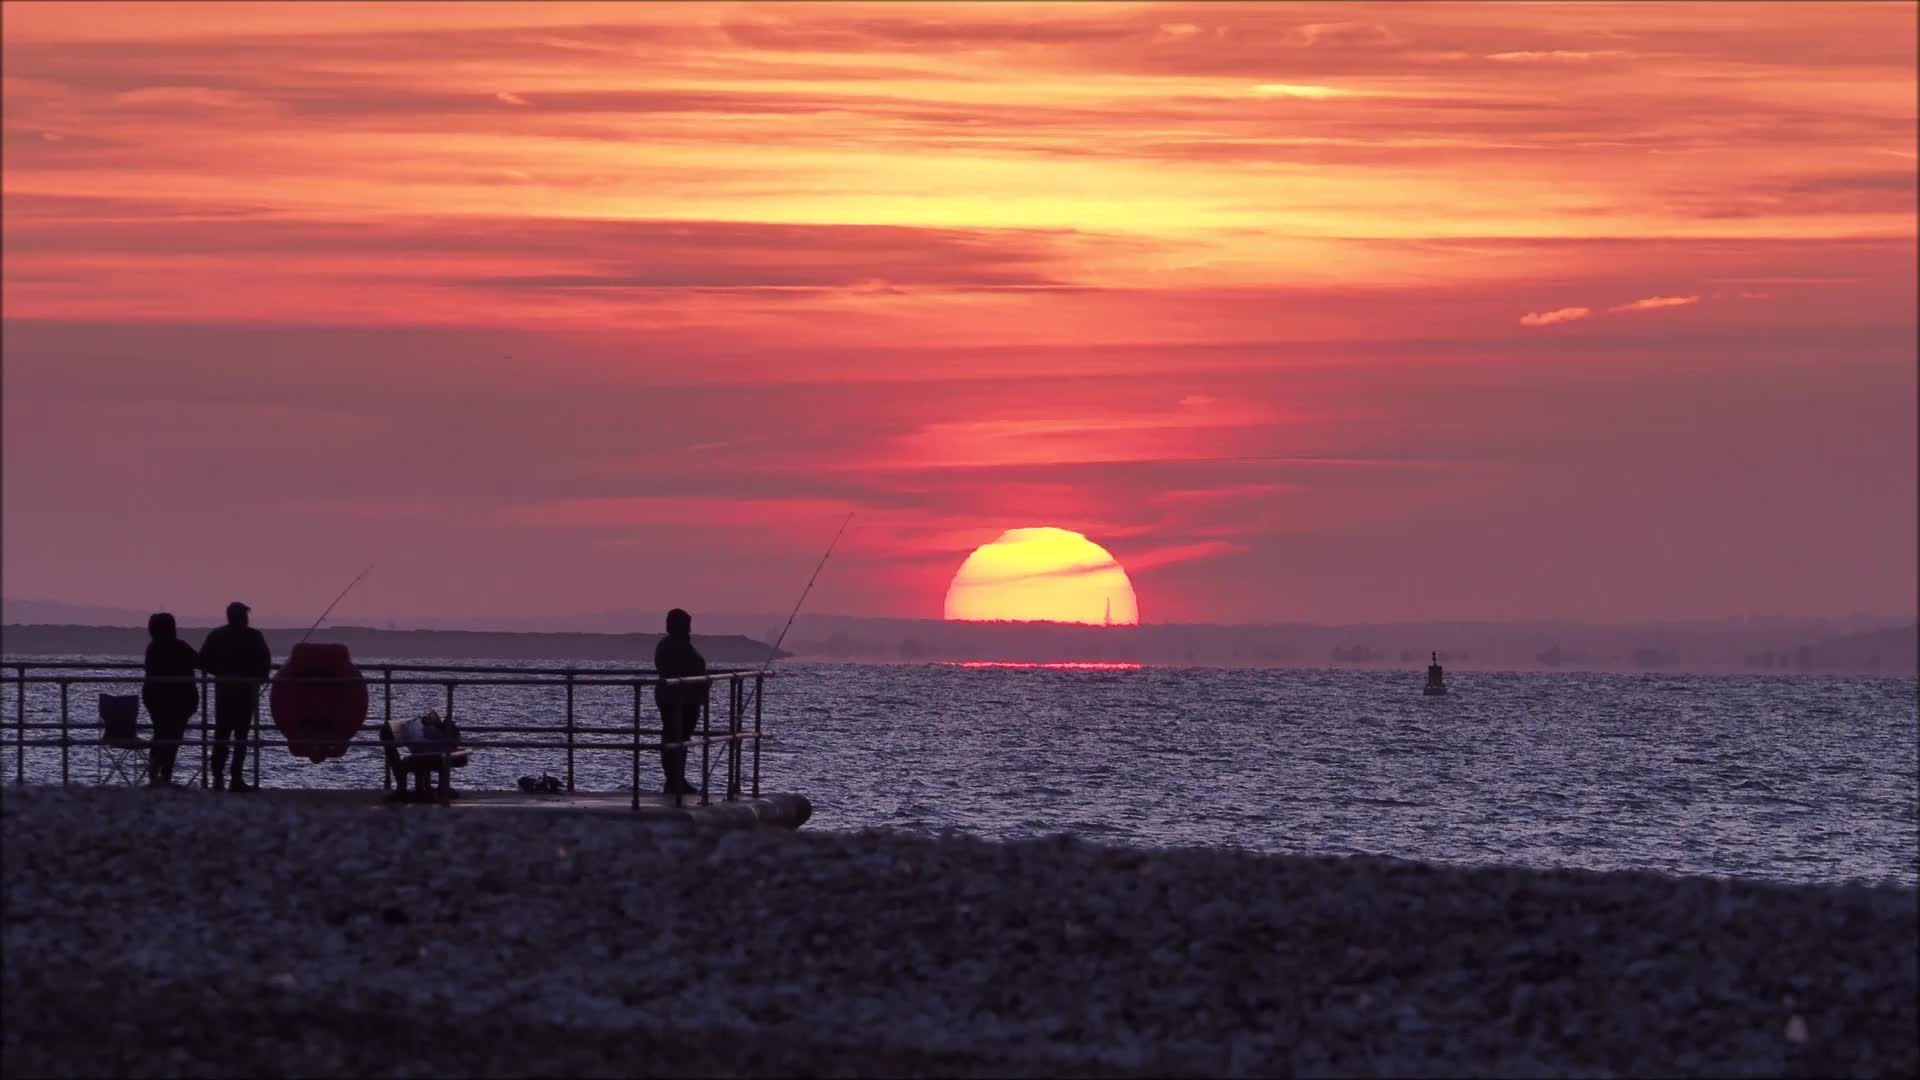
(213, 621)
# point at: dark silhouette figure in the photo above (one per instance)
(434, 744)
(237, 657)
(168, 693)
(1436, 679)
(674, 658)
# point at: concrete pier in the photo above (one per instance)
(778, 810)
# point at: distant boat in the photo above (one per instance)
(1436, 678)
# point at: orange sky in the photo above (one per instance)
(1306, 312)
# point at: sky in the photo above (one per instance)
(1304, 312)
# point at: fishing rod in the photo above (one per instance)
(774, 651)
(336, 600)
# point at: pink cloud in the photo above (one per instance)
(1232, 492)
(1575, 314)
(1652, 302)
(1138, 562)
(1557, 315)
(1550, 56)
(961, 271)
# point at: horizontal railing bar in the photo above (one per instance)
(370, 722)
(719, 737)
(127, 677)
(494, 729)
(461, 669)
(348, 680)
(508, 744)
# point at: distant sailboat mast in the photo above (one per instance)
(1109, 611)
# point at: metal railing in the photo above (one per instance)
(745, 693)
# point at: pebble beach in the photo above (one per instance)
(169, 933)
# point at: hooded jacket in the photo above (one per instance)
(676, 658)
(169, 659)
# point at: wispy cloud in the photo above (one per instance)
(1300, 90)
(1575, 314)
(1653, 302)
(1154, 558)
(1557, 315)
(1554, 56)
(955, 266)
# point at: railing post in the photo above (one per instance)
(759, 695)
(678, 799)
(733, 735)
(706, 741)
(386, 766)
(20, 745)
(205, 714)
(259, 737)
(63, 732)
(736, 703)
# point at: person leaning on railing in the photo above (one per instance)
(168, 693)
(676, 658)
(236, 655)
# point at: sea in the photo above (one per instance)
(1786, 778)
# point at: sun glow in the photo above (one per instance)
(1050, 665)
(1042, 575)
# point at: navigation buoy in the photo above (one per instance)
(319, 719)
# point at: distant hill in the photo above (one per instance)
(1893, 651)
(1741, 644)
(1704, 646)
(368, 643)
(24, 611)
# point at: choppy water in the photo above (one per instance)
(1789, 778)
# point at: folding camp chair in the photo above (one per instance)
(120, 743)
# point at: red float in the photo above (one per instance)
(319, 719)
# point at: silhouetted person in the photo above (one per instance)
(675, 658)
(168, 693)
(432, 742)
(1436, 677)
(237, 657)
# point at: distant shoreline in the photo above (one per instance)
(636, 649)
(1889, 652)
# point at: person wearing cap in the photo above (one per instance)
(237, 657)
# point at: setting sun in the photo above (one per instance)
(1042, 575)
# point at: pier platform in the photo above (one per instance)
(774, 810)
